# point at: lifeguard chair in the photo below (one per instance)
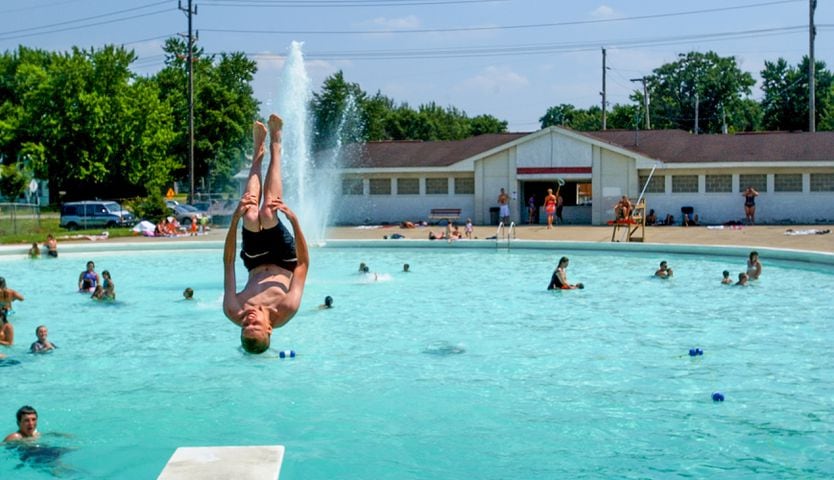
(630, 226)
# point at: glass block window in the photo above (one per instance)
(787, 182)
(352, 186)
(437, 186)
(757, 180)
(822, 182)
(719, 183)
(684, 183)
(408, 186)
(380, 186)
(464, 186)
(656, 185)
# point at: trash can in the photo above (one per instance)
(493, 215)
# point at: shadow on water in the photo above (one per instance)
(443, 349)
(43, 458)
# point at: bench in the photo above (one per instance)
(445, 213)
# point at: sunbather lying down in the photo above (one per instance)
(810, 231)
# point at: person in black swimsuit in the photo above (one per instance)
(559, 279)
(750, 204)
(277, 262)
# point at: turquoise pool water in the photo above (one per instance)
(581, 384)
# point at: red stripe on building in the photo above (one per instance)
(531, 170)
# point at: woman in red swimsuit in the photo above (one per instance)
(550, 207)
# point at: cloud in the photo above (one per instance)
(401, 23)
(495, 80)
(603, 11)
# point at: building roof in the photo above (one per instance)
(678, 146)
(669, 146)
(417, 153)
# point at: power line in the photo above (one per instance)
(332, 3)
(41, 27)
(38, 7)
(505, 27)
(168, 35)
(78, 27)
(536, 49)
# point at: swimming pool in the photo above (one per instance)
(463, 368)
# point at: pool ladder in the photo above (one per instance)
(503, 233)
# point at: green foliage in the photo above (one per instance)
(715, 83)
(785, 103)
(84, 121)
(150, 208)
(380, 118)
(13, 181)
(224, 106)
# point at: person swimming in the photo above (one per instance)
(188, 293)
(726, 280)
(7, 296)
(328, 303)
(88, 279)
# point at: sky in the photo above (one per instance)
(508, 58)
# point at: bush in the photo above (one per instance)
(150, 208)
(13, 181)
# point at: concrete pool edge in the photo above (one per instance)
(795, 255)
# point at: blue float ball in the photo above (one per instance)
(287, 354)
(698, 351)
(717, 397)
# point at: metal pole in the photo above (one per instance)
(696, 113)
(643, 80)
(812, 32)
(190, 103)
(604, 119)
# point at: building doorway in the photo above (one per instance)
(575, 196)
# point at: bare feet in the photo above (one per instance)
(275, 126)
(258, 136)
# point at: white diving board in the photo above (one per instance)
(239, 463)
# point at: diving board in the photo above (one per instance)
(221, 463)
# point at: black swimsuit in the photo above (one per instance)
(274, 246)
(555, 282)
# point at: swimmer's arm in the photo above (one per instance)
(8, 340)
(289, 305)
(16, 295)
(231, 306)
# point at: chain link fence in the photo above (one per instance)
(19, 218)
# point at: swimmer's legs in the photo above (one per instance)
(253, 185)
(273, 186)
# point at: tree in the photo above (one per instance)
(624, 117)
(558, 115)
(482, 124)
(84, 122)
(329, 106)
(382, 119)
(224, 106)
(13, 181)
(712, 84)
(785, 102)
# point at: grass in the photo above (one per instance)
(27, 231)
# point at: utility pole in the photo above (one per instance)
(604, 116)
(190, 12)
(696, 113)
(645, 100)
(812, 33)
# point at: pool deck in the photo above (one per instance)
(765, 236)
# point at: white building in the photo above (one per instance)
(404, 180)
